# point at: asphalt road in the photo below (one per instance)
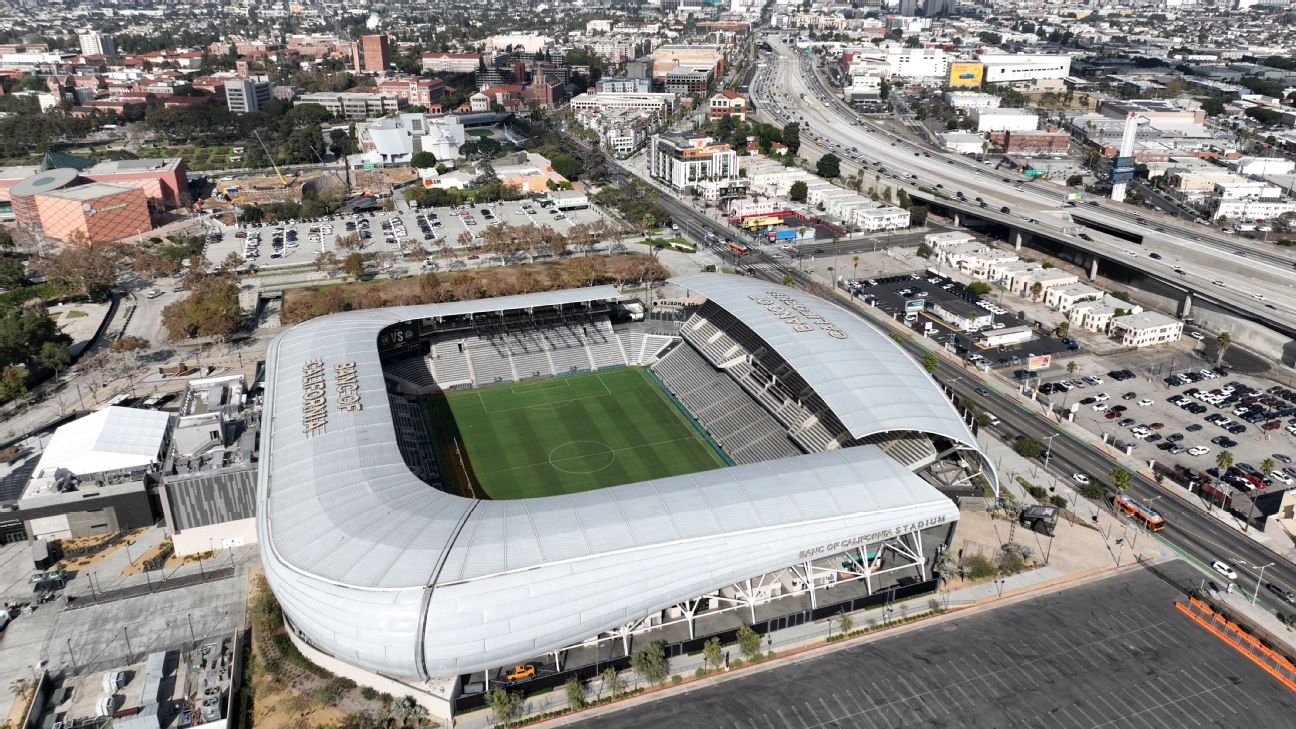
(1244, 267)
(1111, 654)
(1189, 529)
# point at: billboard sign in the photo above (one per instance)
(913, 305)
(1039, 362)
(966, 74)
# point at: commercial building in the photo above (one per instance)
(623, 85)
(660, 105)
(1032, 143)
(1019, 68)
(1261, 166)
(354, 104)
(451, 62)
(966, 73)
(727, 103)
(424, 584)
(93, 475)
(94, 43)
(62, 205)
(1145, 329)
(1005, 120)
(688, 163)
(371, 54)
(208, 490)
(968, 100)
(1160, 114)
(245, 95)
(964, 318)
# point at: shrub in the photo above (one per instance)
(677, 679)
(369, 693)
(1058, 501)
(979, 566)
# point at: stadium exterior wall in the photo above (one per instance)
(384, 572)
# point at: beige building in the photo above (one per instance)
(1146, 329)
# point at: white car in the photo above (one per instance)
(1198, 451)
(1099, 406)
(1144, 402)
(1102, 397)
(1080, 478)
(1224, 569)
(1196, 335)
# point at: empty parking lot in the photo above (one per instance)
(1114, 654)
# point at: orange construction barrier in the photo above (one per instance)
(1272, 662)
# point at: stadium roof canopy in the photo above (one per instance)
(386, 572)
(864, 377)
(111, 439)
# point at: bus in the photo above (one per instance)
(739, 248)
(1141, 513)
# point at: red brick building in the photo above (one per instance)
(1051, 141)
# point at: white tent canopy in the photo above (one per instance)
(111, 439)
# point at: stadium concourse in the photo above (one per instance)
(449, 490)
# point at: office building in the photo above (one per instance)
(245, 95)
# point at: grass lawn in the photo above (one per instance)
(568, 434)
(479, 133)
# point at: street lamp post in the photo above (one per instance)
(1259, 579)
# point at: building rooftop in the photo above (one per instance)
(92, 191)
(111, 439)
(1145, 320)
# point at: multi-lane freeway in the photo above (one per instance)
(789, 88)
(1190, 530)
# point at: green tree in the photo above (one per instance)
(980, 288)
(575, 691)
(930, 362)
(828, 166)
(1224, 460)
(1036, 289)
(903, 200)
(649, 661)
(1267, 466)
(13, 383)
(12, 274)
(1074, 180)
(56, 356)
(1212, 106)
(505, 704)
(1027, 446)
(210, 310)
(1121, 478)
(712, 653)
(749, 642)
(423, 160)
(917, 216)
(567, 166)
(792, 137)
(354, 265)
(611, 681)
(1072, 367)
(797, 193)
(924, 251)
(844, 621)
(1223, 341)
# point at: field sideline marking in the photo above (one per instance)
(692, 428)
(482, 401)
(614, 451)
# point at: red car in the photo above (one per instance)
(1272, 425)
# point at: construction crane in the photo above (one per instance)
(282, 180)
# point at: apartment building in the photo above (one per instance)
(691, 163)
(1145, 329)
(94, 43)
(371, 54)
(354, 104)
(727, 103)
(451, 62)
(246, 95)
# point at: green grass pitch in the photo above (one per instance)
(570, 433)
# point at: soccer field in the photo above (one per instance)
(571, 433)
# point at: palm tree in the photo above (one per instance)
(1267, 466)
(1072, 367)
(1222, 343)
(1035, 289)
(1223, 460)
(855, 271)
(1121, 478)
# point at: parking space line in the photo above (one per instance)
(783, 719)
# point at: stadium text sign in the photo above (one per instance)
(314, 404)
(798, 316)
(346, 385)
(855, 541)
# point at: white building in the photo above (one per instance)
(1064, 298)
(246, 95)
(354, 104)
(1005, 120)
(623, 85)
(1096, 316)
(1006, 336)
(1146, 329)
(1253, 209)
(967, 100)
(1014, 68)
(918, 63)
(529, 42)
(1047, 278)
(694, 163)
(94, 43)
(962, 142)
(395, 141)
(658, 104)
(965, 317)
(1261, 166)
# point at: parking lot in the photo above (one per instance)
(891, 294)
(1112, 654)
(1187, 419)
(390, 233)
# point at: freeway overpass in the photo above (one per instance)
(1121, 238)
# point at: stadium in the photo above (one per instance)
(449, 490)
